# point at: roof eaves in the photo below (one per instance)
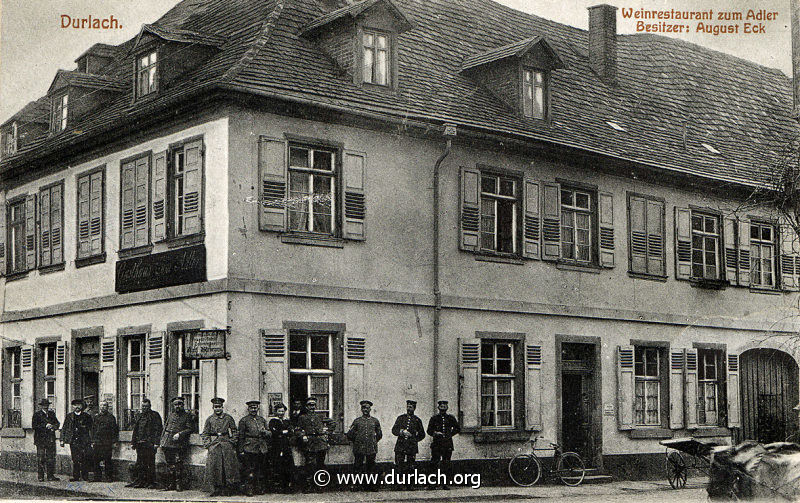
(353, 11)
(182, 36)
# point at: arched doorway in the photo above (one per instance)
(769, 393)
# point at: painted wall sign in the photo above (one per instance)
(171, 268)
(205, 344)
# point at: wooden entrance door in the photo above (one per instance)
(769, 391)
(577, 398)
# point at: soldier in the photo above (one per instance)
(313, 440)
(94, 462)
(104, 435)
(409, 431)
(220, 437)
(254, 435)
(442, 427)
(45, 424)
(175, 443)
(365, 433)
(77, 432)
(282, 461)
(145, 439)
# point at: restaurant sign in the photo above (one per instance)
(205, 344)
(159, 270)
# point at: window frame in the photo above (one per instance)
(495, 378)
(310, 371)
(718, 236)
(497, 197)
(10, 140)
(592, 211)
(662, 350)
(12, 378)
(90, 258)
(193, 403)
(127, 413)
(15, 236)
(719, 383)
(390, 57)
(138, 70)
(528, 105)
(756, 271)
(59, 112)
(335, 175)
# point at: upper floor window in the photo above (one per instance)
(577, 215)
(534, 93)
(376, 58)
(146, 74)
(312, 190)
(60, 112)
(497, 384)
(705, 246)
(17, 242)
(51, 223)
(498, 209)
(9, 140)
(762, 255)
(91, 213)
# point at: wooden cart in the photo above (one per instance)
(684, 454)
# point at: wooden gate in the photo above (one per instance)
(769, 392)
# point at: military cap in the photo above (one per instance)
(177, 399)
(440, 402)
(252, 402)
(365, 402)
(217, 400)
(77, 401)
(44, 401)
(411, 402)
(311, 399)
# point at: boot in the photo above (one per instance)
(179, 485)
(171, 479)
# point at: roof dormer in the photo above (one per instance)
(518, 74)
(362, 38)
(73, 95)
(97, 58)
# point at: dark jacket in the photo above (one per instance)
(42, 435)
(312, 427)
(413, 425)
(77, 429)
(147, 429)
(447, 426)
(282, 431)
(184, 424)
(105, 430)
(254, 435)
(365, 433)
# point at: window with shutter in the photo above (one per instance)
(16, 260)
(646, 235)
(135, 203)
(91, 213)
(762, 255)
(12, 387)
(579, 242)
(51, 225)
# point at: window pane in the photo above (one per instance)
(322, 204)
(489, 184)
(299, 184)
(582, 200)
(369, 40)
(382, 41)
(297, 360)
(368, 56)
(319, 390)
(504, 351)
(319, 343)
(505, 224)
(298, 157)
(487, 358)
(297, 342)
(323, 160)
(507, 187)
(566, 197)
(697, 223)
(382, 68)
(298, 387)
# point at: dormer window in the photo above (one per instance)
(146, 74)
(60, 112)
(534, 93)
(377, 58)
(9, 140)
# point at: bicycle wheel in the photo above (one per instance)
(524, 469)
(676, 470)
(570, 469)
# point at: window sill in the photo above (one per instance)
(651, 277)
(182, 241)
(16, 276)
(312, 240)
(765, 291)
(135, 252)
(87, 261)
(654, 432)
(709, 284)
(711, 431)
(494, 437)
(51, 268)
(12, 433)
(572, 266)
(499, 258)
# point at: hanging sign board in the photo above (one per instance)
(205, 344)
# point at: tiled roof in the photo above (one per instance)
(353, 10)
(89, 80)
(671, 96)
(513, 49)
(35, 111)
(102, 50)
(186, 36)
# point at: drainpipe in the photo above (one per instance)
(449, 133)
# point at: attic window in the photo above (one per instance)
(9, 140)
(616, 126)
(376, 58)
(711, 149)
(58, 119)
(534, 93)
(146, 74)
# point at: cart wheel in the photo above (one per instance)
(676, 470)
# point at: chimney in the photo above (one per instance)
(603, 41)
(795, 6)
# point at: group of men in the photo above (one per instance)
(253, 457)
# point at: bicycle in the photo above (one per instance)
(525, 469)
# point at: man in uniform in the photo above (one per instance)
(220, 437)
(254, 435)
(442, 427)
(145, 438)
(365, 433)
(409, 431)
(175, 443)
(281, 459)
(104, 435)
(77, 432)
(45, 424)
(313, 440)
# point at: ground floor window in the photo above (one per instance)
(647, 388)
(135, 379)
(709, 378)
(311, 369)
(188, 377)
(497, 384)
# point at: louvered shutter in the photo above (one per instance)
(141, 222)
(551, 221)
(159, 196)
(683, 243)
(3, 235)
(676, 370)
(272, 188)
(469, 382)
(96, 213)
(533, 386)
(127, 205)
(275, 364)
(732, 385)
(156, 374)
(731, 251)
(531, 226)
(625, 387)
(56, 224)
(637, 224)
(690, 388)
(61, 381)
(45, 247)
(108, 372)
(606, 210)
(744, 253)
(84, 217)
(193, 154)
(30, 232)
(354, 376)
(354, 195)
(788, 257)
(470, 209)
(655, 238)
(26, 386)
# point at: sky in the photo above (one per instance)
(33, 45)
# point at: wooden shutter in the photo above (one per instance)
(531, 226)
(625, 387)
(469, 376)
(551, 221)
(193, 187)
(84, 217)
(354, 195)
(690, 388)
(3, 236)
(470, 209)
(272, 186)
(655, 238)
(159, 196)
(108, 372)
(744, 253)
(156, 373)
(533, 386)
(45, 247)
(141, 224)
(30, 232)
(676, 370)
(355, 385)
(61, 381)
(788, 257)
(275, 364)
(97, 213)
(683, 243)
(732, 385)
(27, 385)
(637, 225)
(731, 250)
(57, 223)
(127, 205)
(606, 210)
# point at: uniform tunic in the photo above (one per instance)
(106, 431)
(312, 426)
(181, 423)
(253, 437)
(77, 432)
(365, 434)
(413, 425)
(448, 426)
(220, 437)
